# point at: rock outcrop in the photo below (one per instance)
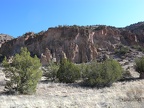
(4, 38)
(46, 57)
(138, 30)
(77, 43)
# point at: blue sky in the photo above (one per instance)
(20, 16)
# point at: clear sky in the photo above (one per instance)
(20, 16)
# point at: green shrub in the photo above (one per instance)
(122, 50)
(68, 72)
(140, 66)
(83, 68)
(139, 48)
(50, 72)
(23, 73)
(102, 74)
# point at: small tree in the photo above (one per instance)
(23, 73)
(68, 72)
(140, 66)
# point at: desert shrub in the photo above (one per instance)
(23, 73)
(100, 27)
(135, 47)
(83, 67)
(102, 74)
(122, 50)
(139, 48)
(50, 71)
(68, 72)
(140, 66)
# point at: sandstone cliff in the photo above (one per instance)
(77, 43)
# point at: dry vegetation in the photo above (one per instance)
(124, 94)
(57, 95)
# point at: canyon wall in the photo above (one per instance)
(77, 43)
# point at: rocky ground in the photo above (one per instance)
(124, 94)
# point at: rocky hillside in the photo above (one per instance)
(137, 29)
(77, 43)
(4, 38)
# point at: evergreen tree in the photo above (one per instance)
(23, 73)
(102, 74)
(68, 72)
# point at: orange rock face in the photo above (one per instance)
(78, 44)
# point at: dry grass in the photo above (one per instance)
(58, 95)
(135, 94)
